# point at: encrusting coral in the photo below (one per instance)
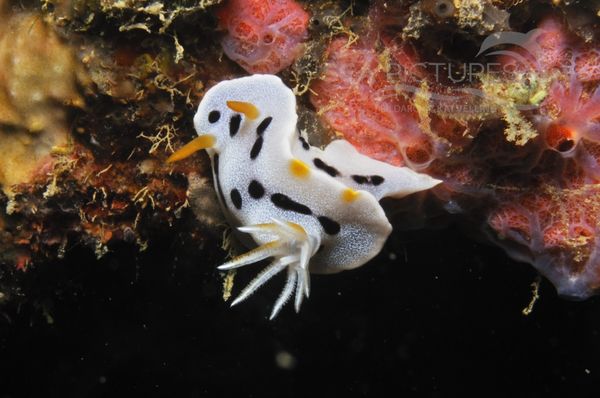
(94, 96)
(526, 158)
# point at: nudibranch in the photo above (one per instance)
(309, 210)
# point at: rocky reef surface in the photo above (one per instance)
(95, 95)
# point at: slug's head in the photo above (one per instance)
(236, 107)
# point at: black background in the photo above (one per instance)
(443, 317)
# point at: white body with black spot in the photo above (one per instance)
(309, 209)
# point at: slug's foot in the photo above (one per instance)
(290, 248)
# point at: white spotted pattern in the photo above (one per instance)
(333, 223)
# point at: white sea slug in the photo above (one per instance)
(309, 210)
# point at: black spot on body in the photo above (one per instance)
(360, 179)
(236, 198)
(329, 226)
(377, 180)
(256, 190)
(304, 144)
(255, 151)
(284, 202)
(214, 116)
(234, 124)
(332, 171)
(373, 180)
(263, 125)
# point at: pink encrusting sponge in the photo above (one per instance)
(356, 97)
(539, 201)
(556, 230)
(264, 36)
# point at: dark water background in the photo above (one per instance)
(441, 319)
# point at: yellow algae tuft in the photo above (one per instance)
(228, 284)
(508, 97)
(421, 102)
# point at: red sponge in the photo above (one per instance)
(264, 36)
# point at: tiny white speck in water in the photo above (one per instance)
(285, 360)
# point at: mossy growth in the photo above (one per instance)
(513, 98)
